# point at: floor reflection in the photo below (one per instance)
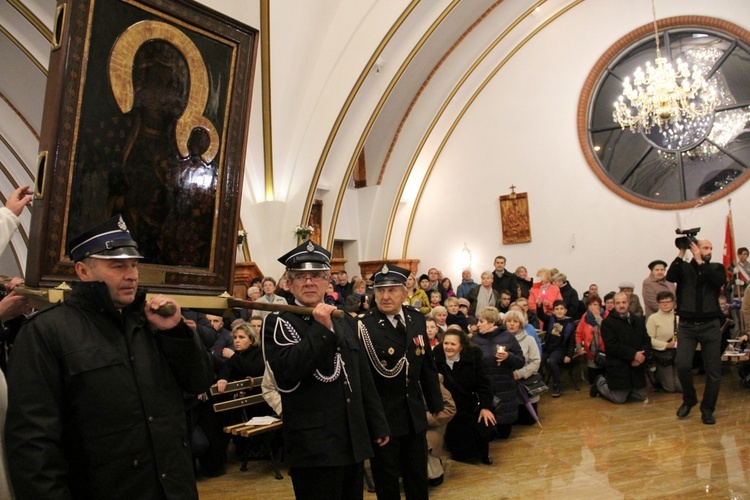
(589, 448)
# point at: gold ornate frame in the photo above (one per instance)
(146, 114)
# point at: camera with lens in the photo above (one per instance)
(688, 237)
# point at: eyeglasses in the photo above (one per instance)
(308, 275)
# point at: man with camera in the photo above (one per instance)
(698, 283)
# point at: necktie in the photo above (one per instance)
(400, 326)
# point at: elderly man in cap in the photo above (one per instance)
(654, 283)
(332, 414)
(395, 337)
(634, 303)
(96, 384)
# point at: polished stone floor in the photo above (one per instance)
(589, 448)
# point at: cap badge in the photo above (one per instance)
(385, 269)
(121, 224)
(310, 246)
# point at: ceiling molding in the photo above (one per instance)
(20, 116)
(32, 19)
(463, 111)
(376, 112)
(23, 50)
(340, 118)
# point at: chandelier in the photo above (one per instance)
(662, 95)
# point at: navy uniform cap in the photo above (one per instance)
(109, 240)
(390, 275)
(306, 256)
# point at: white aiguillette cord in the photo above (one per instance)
(290, 337)
(375, 361)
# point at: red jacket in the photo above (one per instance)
(585, 336)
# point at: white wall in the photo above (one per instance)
(522, 131)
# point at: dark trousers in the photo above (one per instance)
(323, 483)
(403, 456)
(709, 336)
(555, 358)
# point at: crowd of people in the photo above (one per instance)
(395, 367)
(487, 338)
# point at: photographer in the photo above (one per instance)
(698, 286)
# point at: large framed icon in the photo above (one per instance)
(146, 115)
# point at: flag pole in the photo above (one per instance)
(738, 288)
(734, 249)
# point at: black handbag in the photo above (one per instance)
(534, 385)
(665, 357)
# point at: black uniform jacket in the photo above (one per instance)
(403, 403)
(95, 402)
(326, 424)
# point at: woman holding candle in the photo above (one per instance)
(543, 294)
(501, 356)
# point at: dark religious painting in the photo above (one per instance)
(146, 116)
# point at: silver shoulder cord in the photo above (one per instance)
(375, 361)
(285, 335)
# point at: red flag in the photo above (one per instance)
(729, 251)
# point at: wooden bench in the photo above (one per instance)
(243, 429)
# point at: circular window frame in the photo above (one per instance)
(590, 88)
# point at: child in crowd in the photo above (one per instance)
(455, 316)
(435, 299)
(471, 322)
(440, 315)
(560, 342)
(432, 331)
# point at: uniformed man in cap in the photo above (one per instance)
(332, 413)
(95, 385)
(395, 337)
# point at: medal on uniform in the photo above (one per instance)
(419, 342)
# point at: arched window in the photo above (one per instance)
(703, 159)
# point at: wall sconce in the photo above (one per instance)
(465, 258)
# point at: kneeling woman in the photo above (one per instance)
(516, 324)
(501, 355)
(472, 428)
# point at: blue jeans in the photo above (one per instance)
(708, 334)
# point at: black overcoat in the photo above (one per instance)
(95, 402)
(623, 338)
